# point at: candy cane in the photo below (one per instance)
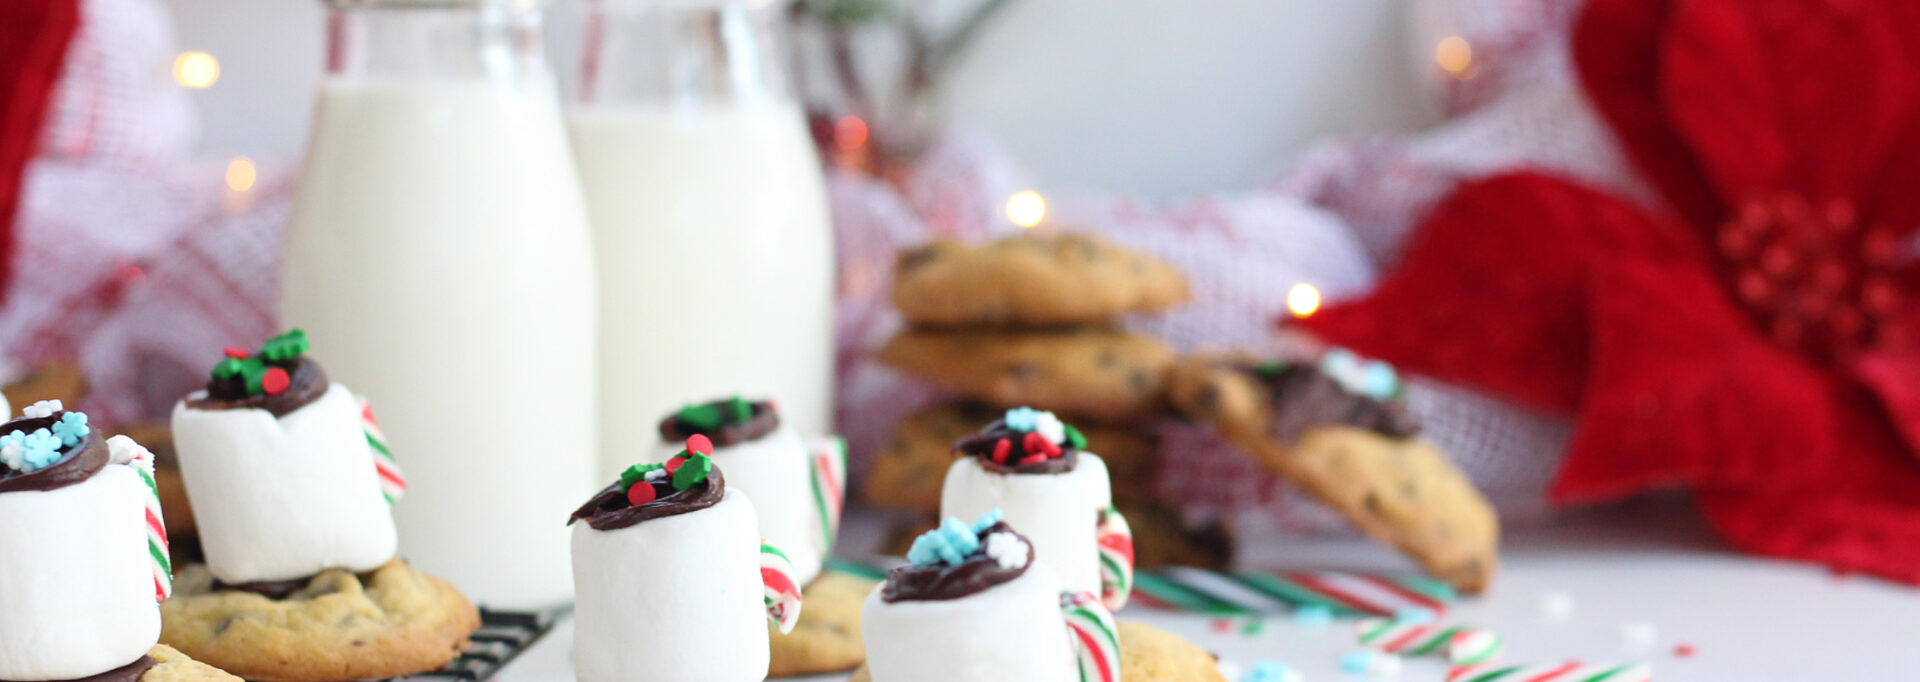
(393, 483)
(782, 592)
(1344, 594)
(158, 547)
(1552, 672)
(1461, 645)
(829, 469)
(1096, 639)
(1116, 558)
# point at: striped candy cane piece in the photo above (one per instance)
(1344, 594)
(393, 483)
(1096, 639)
(1116, 558)
(782, 592)
(829, 468)
(159, 549)
(1552, 672)
(1460, 644)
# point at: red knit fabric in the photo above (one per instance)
(33, 41)
(1756, 338)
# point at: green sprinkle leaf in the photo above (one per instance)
(636, 473)
(742, 410)
(285, 347)
(701, 417)
(227, 369)
(253, 371)
(692, 472)
(1269, 369)
(1074, 439)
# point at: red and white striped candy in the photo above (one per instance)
(782, 592)
(828, 464)
(1552, 672)
(1096, 638)
(1116, 558)
(159, 549)
(393, 483)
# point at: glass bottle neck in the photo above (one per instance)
(645, 52)
(435, 40)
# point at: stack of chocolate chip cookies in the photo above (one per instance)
(1031, 319)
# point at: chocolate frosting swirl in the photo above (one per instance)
(275, 590)
(308, 383)
(941, 582)
(130, 672)
(764, 420)
(77, 463)
(1305, 397)
(981, 445)
(610, 510)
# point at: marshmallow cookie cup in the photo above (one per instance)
(797, 486)
(672, 579)
(974, 606)
(1030, 465)
(292, 487)
(85, 555)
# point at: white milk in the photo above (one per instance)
(439, 257)
(716, 263)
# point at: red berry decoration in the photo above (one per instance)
(275, 381)
(237, 352)
(673, 465)
(1001, 449)
(700, 443)
(641, 493)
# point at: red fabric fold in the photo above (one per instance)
(1616, 46)
(33, 43)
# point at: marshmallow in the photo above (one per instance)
(776, 471)
(671, 598)
(76, 590)
(1059, 513)
(1006, 632)
(283, 499)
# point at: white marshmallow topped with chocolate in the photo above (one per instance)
(672, 580)
(795, 497)
(1029, 466)
(286, 470)
(83, 558)
(975, 606)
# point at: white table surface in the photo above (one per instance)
(1747, 619)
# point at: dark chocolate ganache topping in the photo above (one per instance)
(725, 422)
(942, 581)
(130, 672)
(276, 590)
(611, 510)
(1305, 397)
(77, 462)
(308, 383)
(1016, 457)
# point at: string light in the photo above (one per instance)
(1303, 299)
(241, 174)
(196, 69)
(1026, 209)
(1454, 56)
(850, 132)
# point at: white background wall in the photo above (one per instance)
(1162, 97)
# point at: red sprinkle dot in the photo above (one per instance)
(237, 352)
(641, 493)
(673, 465)
(1001, 449)
(1222, 625)
(1035, 458)
(1683, 650)
(276, 381)
(699, 443)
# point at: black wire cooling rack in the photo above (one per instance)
(503, 635)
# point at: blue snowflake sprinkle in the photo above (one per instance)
(993, 516)
(949, 544)
(1023, 419)
(42, 449)
(71, 428)
(1313, 615)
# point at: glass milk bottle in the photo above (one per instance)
(440, 259)
(709, 215)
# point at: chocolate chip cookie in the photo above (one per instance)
(1356, 457)
(1031, 278)
(827, 639)
(173, 666)
(391, 622)
(909, 472)
(1147, 654)
(1101, 374)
